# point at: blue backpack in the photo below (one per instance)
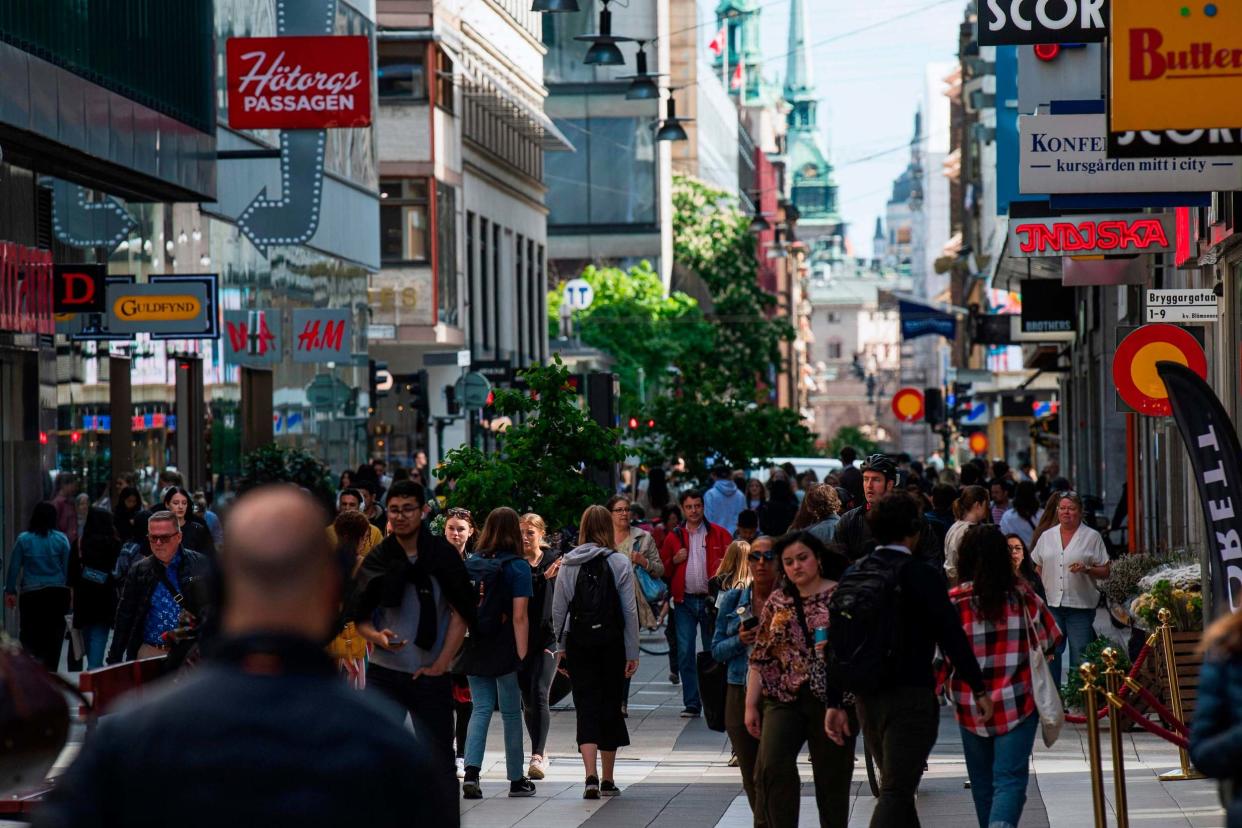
(492, 594)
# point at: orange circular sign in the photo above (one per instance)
(1134, 365)
(908, 405)
(978, 443)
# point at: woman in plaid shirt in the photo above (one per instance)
(999, 613)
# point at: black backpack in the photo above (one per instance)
(595, 617)
(495, 603)
(863, 619)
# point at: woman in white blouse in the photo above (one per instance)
(1069, 558)
(970, 509)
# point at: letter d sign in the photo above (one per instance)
(79, 288)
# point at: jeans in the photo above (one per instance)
(95, 640)
(900, 727)
(1079, 628)
(999, 767)
(535, 677)
(689, 614)
(786, 727)
(487, 693)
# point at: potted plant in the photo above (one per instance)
(1177, 587)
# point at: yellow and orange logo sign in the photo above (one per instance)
(1134, 365)
(908, 405)
(171, 308)
(1175, 65)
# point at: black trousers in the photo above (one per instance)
(428, 700)
(43, 623)
(598, 675)
(787, 726)
(744, 745)
(535, 681)
(900, 726)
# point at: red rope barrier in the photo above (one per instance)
(1164, 712)
(1073, 718)
(1150, 726)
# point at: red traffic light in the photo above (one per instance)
(651, 424)
(633, 423)
(75, 436)
(43, 438)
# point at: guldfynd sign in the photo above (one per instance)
(299, 82)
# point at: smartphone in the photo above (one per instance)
(750, 623)
(396, 642)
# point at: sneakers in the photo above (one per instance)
(592, 788)
(673, 678)
(690, 713)
(470, 787)
(733, 761)
(461, 768)
(537, 767)
(625, 711)
(522, 787)
(609, 788)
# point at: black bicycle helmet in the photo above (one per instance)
(881, 463)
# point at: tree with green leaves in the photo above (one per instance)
(545, 460)
(851, 436)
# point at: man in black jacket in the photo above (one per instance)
(156, 590)
(413, 600)
(879, 477)
(900, 722)
(264, 732)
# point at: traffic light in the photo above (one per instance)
(933, 406)
(380, 381)
(633, 423)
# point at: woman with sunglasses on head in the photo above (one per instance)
(736, 624)
(787, 693)
(640, 548)
(194, 532)
(459, 529)
(537, 671)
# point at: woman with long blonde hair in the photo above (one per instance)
(598, 636)
(539, 668)
(733, 572)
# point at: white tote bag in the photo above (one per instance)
(1047, 698)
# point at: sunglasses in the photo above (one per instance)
(162, 538)
(767, 556)
(458, 512)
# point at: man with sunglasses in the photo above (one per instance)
(879, 477)
(156, 591)
(413, 600)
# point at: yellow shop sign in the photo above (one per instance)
(171, 308)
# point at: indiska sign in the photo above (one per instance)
(1017, 22)
(1092, 235)
(299, 82)
(1175, 67)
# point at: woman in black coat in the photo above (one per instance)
(128, 507)
(194, 532)
(94, 590)
(779, 510)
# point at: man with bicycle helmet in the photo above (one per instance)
(879, 476)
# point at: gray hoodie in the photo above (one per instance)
(567, 581)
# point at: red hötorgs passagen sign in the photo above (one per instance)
(299, 82)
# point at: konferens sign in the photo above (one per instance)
(1069, 154)
(1091, 235)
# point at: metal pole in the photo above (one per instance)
(1091, 703)
(1175, 699)
(1112, 683)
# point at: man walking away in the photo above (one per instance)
(264, 730)
(691, 553)
(416, 585)
(890, 666)
(723, 502)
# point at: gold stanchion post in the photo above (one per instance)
(1112, 684)
(1175, 699)
(1090, 695)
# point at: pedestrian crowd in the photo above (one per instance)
(798, 613)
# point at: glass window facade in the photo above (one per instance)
(610, 180)
(404, 229)
(401, 71)
(446, 253)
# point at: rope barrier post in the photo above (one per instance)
(1175, 699)
(1091, 701)
(1112, 684)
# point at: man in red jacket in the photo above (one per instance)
(691, 553)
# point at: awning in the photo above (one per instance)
(487, 88)
(918, 319)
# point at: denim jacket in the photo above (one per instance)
(41, 560)
(1216, 729)
(727, 646)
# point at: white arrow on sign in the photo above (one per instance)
(578, 294)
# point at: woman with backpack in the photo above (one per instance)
(537, 671)
(1001, 615)
(597, 629)
(496, 647)
(787, 692)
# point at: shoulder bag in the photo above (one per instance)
(1043, 688)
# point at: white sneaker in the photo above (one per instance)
(538, 765)
(461, 768)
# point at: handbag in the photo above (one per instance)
(713, 682)
(653, 588)
(348, 644)
(34, 718)
(1043, 688)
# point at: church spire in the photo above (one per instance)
(799, 85)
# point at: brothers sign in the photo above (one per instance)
(299, 82)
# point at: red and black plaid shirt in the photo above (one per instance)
(1003, 650)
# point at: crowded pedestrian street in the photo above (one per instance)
(620, 413)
